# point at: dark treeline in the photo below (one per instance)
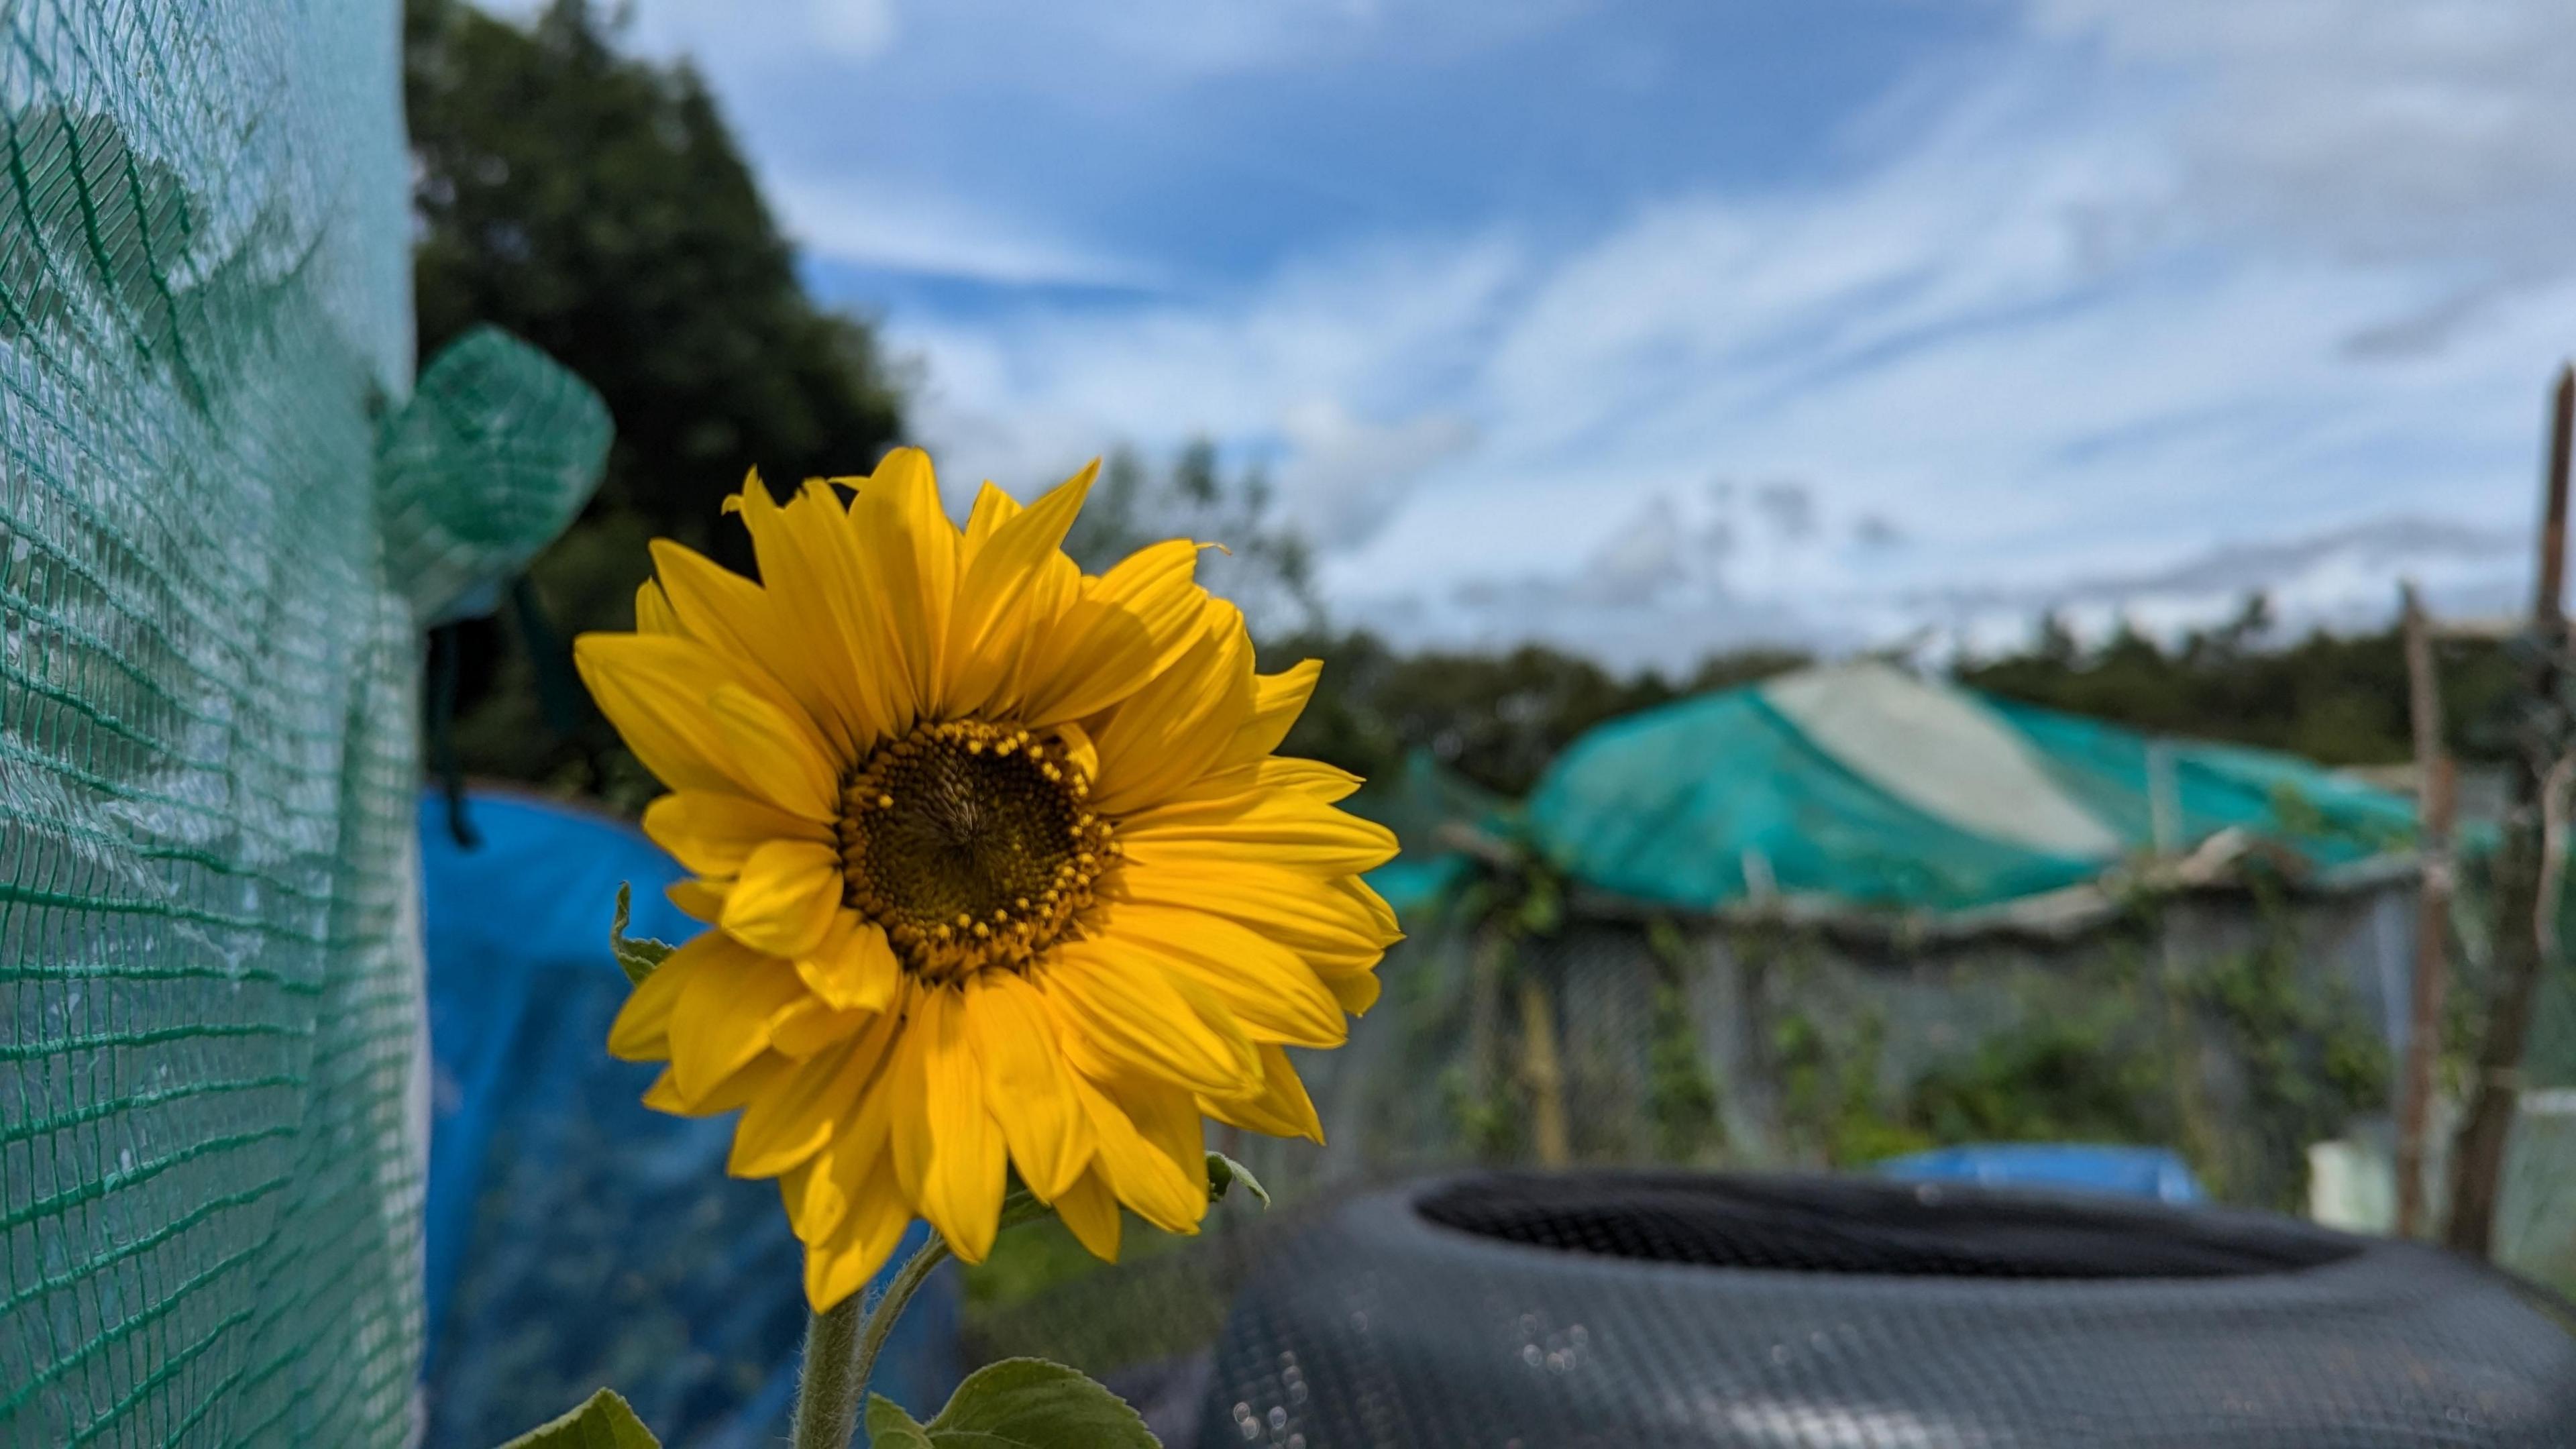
(1498, 718)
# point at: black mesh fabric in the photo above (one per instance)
(1838, 1225)
(1586, 1311)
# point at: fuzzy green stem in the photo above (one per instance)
(841, 1348)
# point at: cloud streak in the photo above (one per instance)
(2083, 310)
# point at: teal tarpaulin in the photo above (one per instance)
(1865, 786)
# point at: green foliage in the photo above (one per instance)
(1681, 1094)
(1019, 1403)
(1225, 1174)
(1829, 1088)
(637, 956)
(1040, 1257)
(597, 206)
(2050, 1079)
(2338, 699)
(2308, 1062)
(605, 1422)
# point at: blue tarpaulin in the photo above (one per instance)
(576, 1238)
(2149, 1172)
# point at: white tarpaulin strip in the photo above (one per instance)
(1941, 752)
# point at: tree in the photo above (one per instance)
(596, 205)
(2336, 698)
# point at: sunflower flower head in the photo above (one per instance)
(1002, 869)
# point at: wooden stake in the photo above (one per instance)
(2435, 801)
(2477, 1153)
(1543, 1069)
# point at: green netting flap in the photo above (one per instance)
(496, 451)
(212, 1091)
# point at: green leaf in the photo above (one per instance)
(638, 955)
(1224, 1172)
(889, 1427)
(1028, 1403)
(603, 1423)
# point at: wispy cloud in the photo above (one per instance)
(876, 222)
(2083, 308)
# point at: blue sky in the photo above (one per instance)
(1655, 328)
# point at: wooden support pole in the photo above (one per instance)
(2436, 799)
(1543, 1070)
(2477, 1153)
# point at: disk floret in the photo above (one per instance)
(970, 843)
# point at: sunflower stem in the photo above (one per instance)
(841, 1348)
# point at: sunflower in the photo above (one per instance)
(1002, 869)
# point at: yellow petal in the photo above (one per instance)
(810, 1024)
(1079, 751)
(729, 1095)
(854, 968)
(856, 1153)
(1283, 1109)
(712, 831)
(1327, 783)
(785, 898)
(1307, 914)
(1026, 1081)
(904, 1088)
(866, 1236)
(793, 1120)
(1144, 1178)
(653, 613)
(1271, 827)
(1156, 586)
(962, 1193)
(1358, 893)
(1277, 701)
(737, 618)
(1090, 1210)
(1356, 993)
(641, 1032)
(911, 549)
(827, 608)
(992, 509)
(1178, 727)
(789, 1123)
(1264, 986)
(1121, 1016)
(653, 688)
(1094, 655)
(1168, 1119)
(777, 754)
(1018, 582)
(721, 1021)
(698, 900)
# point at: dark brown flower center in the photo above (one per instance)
(970, 844)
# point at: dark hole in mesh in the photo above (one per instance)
(1827, 1225)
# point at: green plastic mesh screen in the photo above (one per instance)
(211, 1080)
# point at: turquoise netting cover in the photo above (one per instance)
(1864, 787)
(210, 597)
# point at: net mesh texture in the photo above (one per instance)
(1615, 1309)
(210, 1025)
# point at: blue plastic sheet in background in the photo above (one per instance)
(2148, 1172)
(576, 1238)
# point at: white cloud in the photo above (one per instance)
(860, 29)
(1346, 476)
(2430, 128)
(2167, 278)
(875, 222)
(1015, 399)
